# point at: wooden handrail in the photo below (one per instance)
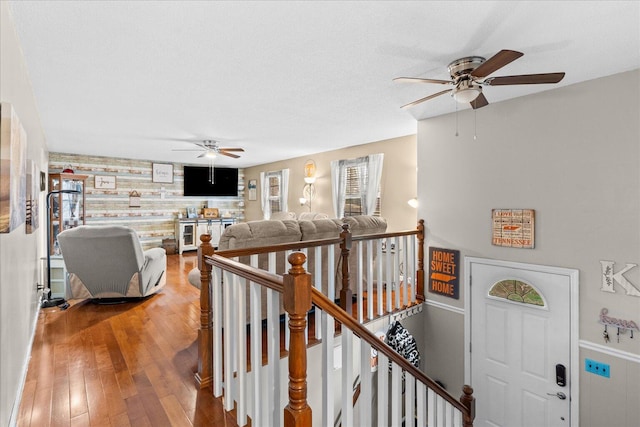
(299, 291)
(325, 304)
(281, 247)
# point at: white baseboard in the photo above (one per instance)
(13, 419)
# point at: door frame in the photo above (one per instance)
(573, 276)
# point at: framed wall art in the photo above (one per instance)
(162, 172)
(13, 170)
(253, 189)
(106, 182)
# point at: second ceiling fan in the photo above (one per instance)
(210, 149)
(470, 74)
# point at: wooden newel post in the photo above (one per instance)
(420, 272)
(297, 302)
(345, 293)
(470, 402)
(204, 376)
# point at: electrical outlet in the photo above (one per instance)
(597, 368)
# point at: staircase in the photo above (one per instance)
(245, 368)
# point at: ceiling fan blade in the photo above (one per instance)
(525, 79)
(186, 149)
(496, 62)
(231, 149)
(235, 156)
(419, 80)
(479, 102)
(426, 98)
(202, 155)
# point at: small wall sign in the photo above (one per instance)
(443, 272)
(134, 199)
(513, 228)
(107, 182)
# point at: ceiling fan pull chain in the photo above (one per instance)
(456, 119)
(475, 124)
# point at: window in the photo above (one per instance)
(356, 185)
(275, 192)
(357, 178)
(517, 291)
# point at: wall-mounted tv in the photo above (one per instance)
(196, 181)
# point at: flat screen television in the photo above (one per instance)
(196, 181)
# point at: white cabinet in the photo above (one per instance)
(188, 231)
(59, 277)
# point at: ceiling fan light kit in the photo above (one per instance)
(470, 73)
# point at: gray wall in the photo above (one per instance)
(19, 252)
(573, 155)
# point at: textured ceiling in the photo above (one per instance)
(285, 79)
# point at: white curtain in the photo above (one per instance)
(372, 188)
(284, 190)
(338, 184)
(264, 196)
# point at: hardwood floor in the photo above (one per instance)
(129, 364)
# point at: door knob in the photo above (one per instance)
(560, 395)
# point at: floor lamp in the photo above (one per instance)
(48, 301)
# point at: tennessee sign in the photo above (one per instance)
(443, 272)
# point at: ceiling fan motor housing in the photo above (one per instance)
(463, 66)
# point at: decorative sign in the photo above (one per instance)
(513, 228)
(134, 199)
(443, 272)
(161, 172)
(105, 182)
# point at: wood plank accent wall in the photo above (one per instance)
(155, 219)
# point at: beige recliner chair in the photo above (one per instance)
(108, 262)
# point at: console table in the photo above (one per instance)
(188, 231)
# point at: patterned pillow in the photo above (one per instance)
(399, 339)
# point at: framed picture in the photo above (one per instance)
(253, 189)
(13, 170)
(211, 213)
(162, 172)
(191, 213)
(107, 182)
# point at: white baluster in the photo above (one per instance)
(409, 399)
(227, 295)
(421, 401)
(216, 306)
(396, 395)
(328, 412)
(359, 280)
(347, 376)
(255, 299)
(383, 390)
(241, 352)
(370, 300)
(366, 395)
(379, 276)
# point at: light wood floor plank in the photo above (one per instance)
(129, 364)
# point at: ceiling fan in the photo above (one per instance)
(470, 74)
(210, 149)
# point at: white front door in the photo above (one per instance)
(521, 341)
